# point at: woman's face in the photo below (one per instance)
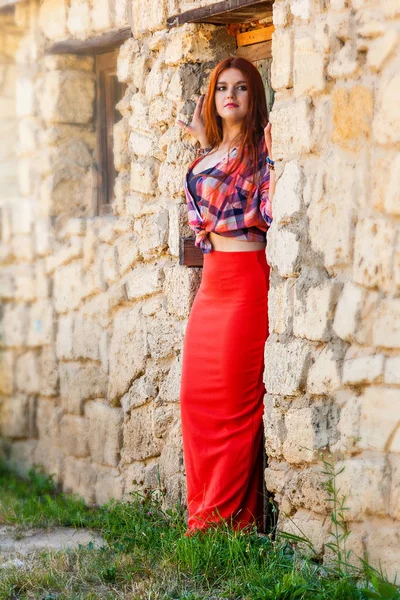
(231, 95)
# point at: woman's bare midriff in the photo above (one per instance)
(227, 244)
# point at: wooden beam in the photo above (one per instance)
(255, 36)
(93, 45)
(256, 51)
(227, 11)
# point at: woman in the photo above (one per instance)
(228, 188)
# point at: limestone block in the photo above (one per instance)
(352, 114)
(127, 252)
(287, 202)
(143, 144)
(381, 49)
(313, 527)
(128, 351)
(80, 478)
(129, 53)
(64, 336)
(178, 226)
(53, 18)
(121, 135)
(314, 309)
(170, 179)
(143, 176)
(171, 459)
(22, 216)
(296, 356)
(68, 287)
(392, 370)
(324, 374)
(70, 250)
(309, 429)
(380, 417)
(386, 324)
(67, 97)
(280, 306)
(74, 436)
(392, 196)
(18, 417)
(122, 10)
(386, 123)
(382, 541)
(27, 136)
(85, 339)
(144, 280)
(22, 247)
(194, 44)
(14, 324)
(283, 251)
(394, 497)
(79, 17)
(150, 19)
(274, 428)
(139, 440)
(170, 385)
(80, 382)
(180, 288)
(301, 9)
(6, 373)
(140, 475)
(374, 244)
(48, 369)
(292, 129)
(280, 14)
(48, 422)
(143, 390)
(164, 335)
(102, 15)
(364, 482)
(363, 369)
(24, 282)
(185, 82)
(105, 432)
(41, 323)
(306, 489)
(308, 67)
(97, 309)
(331, 211)
(161, 113)
(348, 311)
(109, 485)
(25, 97)
(163, 416)
(8, 283)
(139, 117)
(154, 79)
(282, 65)
(152, 234)
(27, 373)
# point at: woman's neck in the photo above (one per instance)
(231, 135)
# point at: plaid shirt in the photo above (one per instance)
(237, 208)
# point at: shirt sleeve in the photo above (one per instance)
(265, 201)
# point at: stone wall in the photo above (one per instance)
(95, 308)
(332, 358)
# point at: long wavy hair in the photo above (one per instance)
(256, 118)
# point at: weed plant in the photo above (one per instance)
(147, 556)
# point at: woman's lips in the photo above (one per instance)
(231, 105)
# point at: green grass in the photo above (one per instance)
(146, 555)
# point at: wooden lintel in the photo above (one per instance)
(93, 45)
(255, 36)
(227, 11)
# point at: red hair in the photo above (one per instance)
(257, 115)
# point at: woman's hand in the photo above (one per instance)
(268, 139)
(197, 126)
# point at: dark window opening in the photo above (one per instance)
(109, 92)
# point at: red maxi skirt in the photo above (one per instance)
(222, 390)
